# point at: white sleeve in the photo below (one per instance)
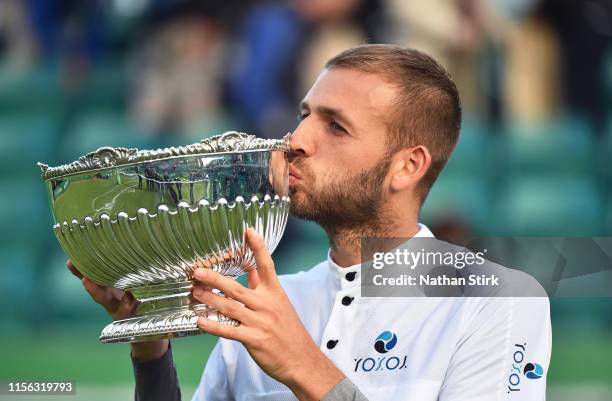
(504, 353)
(214, 385)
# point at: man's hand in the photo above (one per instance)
(270, 328)
(121, 305)
(118, 303)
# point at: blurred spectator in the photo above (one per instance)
(176, 76)
(72, 32)
(17, 46)
(503, 55)
(531, 88)
(282, 48)
(177, 71)
(584, 29)
(455, 33)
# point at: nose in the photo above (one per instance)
(300, 142)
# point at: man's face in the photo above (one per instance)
(339, 157)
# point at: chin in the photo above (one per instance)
(297, 206)
(294, 192)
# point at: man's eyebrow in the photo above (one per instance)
(329, 111)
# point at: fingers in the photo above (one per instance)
(100, 294)
(252, 279)
(221, 330)
(203, 263)
(230, 287)
(118, 303)
(224, 305)
(126, 307)
(73, 269)
(265, 264)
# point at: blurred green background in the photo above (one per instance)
(534, 158)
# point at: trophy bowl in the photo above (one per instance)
(140, 220)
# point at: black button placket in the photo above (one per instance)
(346, 301)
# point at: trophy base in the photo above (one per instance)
(164, 311)
(166, 324)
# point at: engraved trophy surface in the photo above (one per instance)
(140, 220)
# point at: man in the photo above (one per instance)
(375, 131)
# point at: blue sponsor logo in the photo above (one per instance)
(529, 370)
(533, 371)
(385, 342)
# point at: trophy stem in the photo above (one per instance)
(156, 298)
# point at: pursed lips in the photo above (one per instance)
(293, 173)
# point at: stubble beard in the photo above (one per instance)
(352, 204)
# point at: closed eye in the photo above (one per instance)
(335, 127)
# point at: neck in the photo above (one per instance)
(345, 243)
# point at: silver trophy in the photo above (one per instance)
(140, 220)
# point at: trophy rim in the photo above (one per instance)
(110, 157)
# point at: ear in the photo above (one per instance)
(409, 165)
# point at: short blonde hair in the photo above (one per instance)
(427, 109)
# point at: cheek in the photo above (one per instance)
(325, 171)
(336, 153)
(331, 177)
